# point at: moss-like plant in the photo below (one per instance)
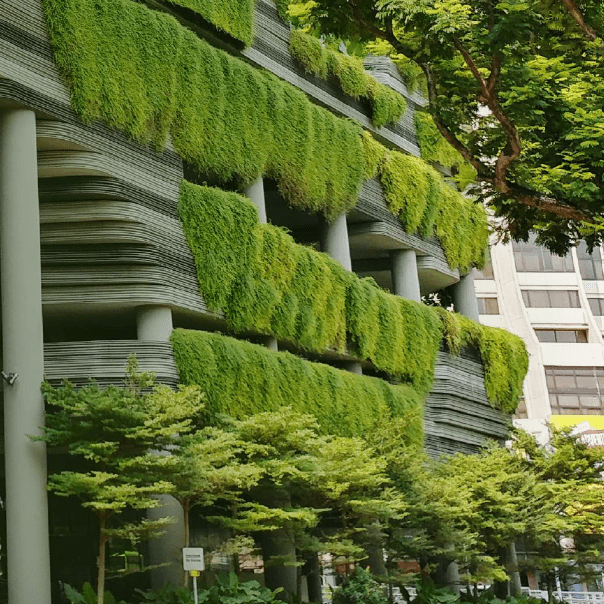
(387, 104)
(235, 17)
(265, 282)
(426, 205)
(145, 74)
(240, 379)
(504, 356)
(434, 148)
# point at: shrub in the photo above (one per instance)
(388, 105)
(263, 281)
(148, 76)
(235, 17)
(359, 588)
(240, 379)
(435, 148)
(229, 590)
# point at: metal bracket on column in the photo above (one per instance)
(10, 378)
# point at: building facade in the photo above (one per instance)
(140, 145)
(555, 304)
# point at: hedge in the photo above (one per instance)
(388, 105)
(265, 282)
(426, 205)
(235, 17)
(240, 379)
(148, 76)
(434, 148)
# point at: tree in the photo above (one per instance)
(516, 87)
(116, 434)
(571, 487)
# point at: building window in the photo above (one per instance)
(532, 258)
(566, 336)
(597, 306)
(486, 272)
(575, 390)
(542, 298)
(488, 306)
(521, 411)
(590, 265)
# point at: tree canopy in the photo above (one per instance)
(516, 87)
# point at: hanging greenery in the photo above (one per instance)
(426, 205)
(434, 148)
(235, 17)
(240, 379)
(263, 281)
(148, 76)
(388, 106)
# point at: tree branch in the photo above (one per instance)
(577, 15)
(547, 204)
(479, 166)
(488, 96)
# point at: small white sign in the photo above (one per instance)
(192, 558)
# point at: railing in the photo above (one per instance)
(572, 597)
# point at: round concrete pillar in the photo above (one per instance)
(354, 367)
(27, 549)
(154, 323)
(334, 241)
(464, 297)
(405, 279)
(256, 193)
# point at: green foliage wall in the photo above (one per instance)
(240, 379)
(265, 282)
(235, 17)
(148, 76)
(426, 205)
(387, 104)
(434, 148)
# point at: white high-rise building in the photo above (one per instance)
(556, 304)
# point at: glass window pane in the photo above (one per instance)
(586, 383)
(590, 401)
(594, 304)
(550, 382)
(559, 299)
(491, 306)
(531, 261)
(568, 400)
(565, 383)
(545, 335)
(525, 298)
(538, 299)
(587, 269)
(574, 299)
(566, 336)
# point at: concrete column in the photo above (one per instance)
(405, 279)
(354, 367)
(27, 551)
(464, 297)
(334, 241)
(280, 544)
(512, 563)
(256, 193)
(154, 323)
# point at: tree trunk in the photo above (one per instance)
(279, 544)
(101, 561)
(512, 560)
(186, 507)
(313, 579)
